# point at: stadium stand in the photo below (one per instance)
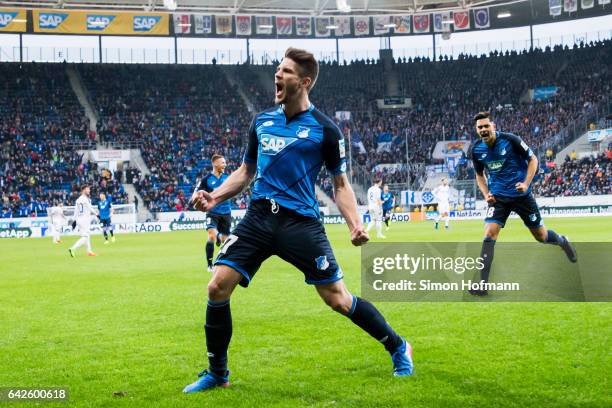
(180, 115)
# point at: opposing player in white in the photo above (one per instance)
(57, 220)
(83, 211)
(375, 208)
(442, 194)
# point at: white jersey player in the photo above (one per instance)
(442, 194)
(375, 208)
(57, 220)
(82, 212)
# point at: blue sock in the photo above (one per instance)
(218, 330)
(210, 249)
(553, 238)
(486, 253)
(365, 315)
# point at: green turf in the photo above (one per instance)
(131, 322)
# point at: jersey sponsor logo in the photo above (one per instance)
(51, 20)
(6, 18)
(322, 263)
(268, 123)
(99, 22)
(273, 145)
(302, 132)
(145, 23)
(342, 148)
(496, 165)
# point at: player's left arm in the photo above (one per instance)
(521, 148)
(347, 204)
(334, 158)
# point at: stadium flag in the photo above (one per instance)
(284, 25)
(13, 20)
(570, 6)
(263, 25)
(555, 7)
(344, 25)
(182, 23)
(100, 22)
(381, 24)
(303, 25)
(321, 29)
(361, 25)
(604, 2)
(243, 25)
(385, 142)
(461, 20)
(203, 24)
(438, 20)
(420, 23)
(224, 24)
(402, 24)
(481, 18)
(587, 4)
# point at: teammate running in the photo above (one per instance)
(510, 167)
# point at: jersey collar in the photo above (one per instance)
(282, 110)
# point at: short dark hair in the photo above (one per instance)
(308, 64)
(377, 180)
(215, 157)
(84, 186)
(482, 115)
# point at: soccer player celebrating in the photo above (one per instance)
(286, 148)
(442, 193)
(388, 201)
(375, 208)
(106, 211)
(219, 218)
(56, 221)
(510, 167)
(82, 212)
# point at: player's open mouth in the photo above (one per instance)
(279, 89)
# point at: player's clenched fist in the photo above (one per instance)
(359, 236)
(202, 200)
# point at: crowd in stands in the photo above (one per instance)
(41, 126)
(590, 175)
(179, 116)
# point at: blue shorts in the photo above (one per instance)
(220, 222)
(524, 206)
(106, 222)
(295, 238)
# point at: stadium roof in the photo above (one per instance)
(294, 7)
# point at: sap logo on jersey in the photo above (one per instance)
(495, 165)
(99, 22)
(51, 20)
(6, 18)
(274, 144)
(145, 23)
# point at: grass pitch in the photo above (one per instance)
(126, 329)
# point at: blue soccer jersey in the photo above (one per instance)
(289, 155)
(387, 199)
(104, 207)
(211, 182)
(505, 163)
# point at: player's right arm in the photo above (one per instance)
(481, 180)
(236, 182)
